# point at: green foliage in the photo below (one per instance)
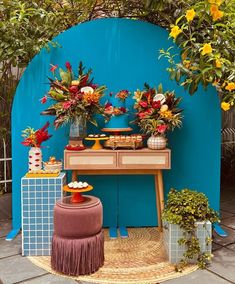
(204, 31)
(184, 208)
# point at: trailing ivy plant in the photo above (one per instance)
(184, 208)
(204, 30)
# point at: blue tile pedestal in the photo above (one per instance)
(38, 197)
(172, 233)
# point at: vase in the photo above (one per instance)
(157, 142)
(35, 158)
(78, 130)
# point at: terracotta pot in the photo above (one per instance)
(157, 142)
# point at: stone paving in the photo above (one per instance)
(17, 269)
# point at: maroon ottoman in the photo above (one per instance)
(78, 241)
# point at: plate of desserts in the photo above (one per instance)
(42, 173)
(133, 141)
(77, 186)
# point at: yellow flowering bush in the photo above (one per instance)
(205, 33)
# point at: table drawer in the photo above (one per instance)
(149, 160)
(92, 161)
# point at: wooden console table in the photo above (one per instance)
(121, 162)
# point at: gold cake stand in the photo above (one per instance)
(96, 145)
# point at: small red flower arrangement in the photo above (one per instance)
(34, 138)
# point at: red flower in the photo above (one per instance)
(43, 100)
(53, 67)
(107, 105)
(73, 89)
(142, 114)
(123, 109)
(67, 105)
(83, 82)
(143, 104)
(161, 128)
(68, 66)
(156, 104)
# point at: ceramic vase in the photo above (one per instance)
(35, 158)
(157, 142)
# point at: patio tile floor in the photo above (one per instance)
(16, 269)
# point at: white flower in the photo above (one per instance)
(159, 97)
(87, 90)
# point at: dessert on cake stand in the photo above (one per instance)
(76, 193)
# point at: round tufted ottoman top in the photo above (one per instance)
(90, 201)
(78, 220)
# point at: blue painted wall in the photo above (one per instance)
(123, 55)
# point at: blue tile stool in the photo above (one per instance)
(38, 198)
(78, 240)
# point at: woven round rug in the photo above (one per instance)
(140, 258)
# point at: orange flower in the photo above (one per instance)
(230, 87)
(187, 63)
(91, 98)
(216, 13)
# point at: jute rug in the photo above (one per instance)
(141, 258)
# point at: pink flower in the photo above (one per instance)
(43, 100)
(161, 128)
(142, 114)
(67, 105)
(143, 104)
(68, 66)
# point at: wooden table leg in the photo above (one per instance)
(74, 175)
(158, 206)
(159, 195)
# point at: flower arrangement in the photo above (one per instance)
(34, 138)
(122, 95)
(73, 96)
(111, 110)
(157, 112)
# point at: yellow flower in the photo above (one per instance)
(225, 106)
(175, 31)
(217, 2)
(194, 68)
(206, 49)
(218, 63)
(166, 114)
(190, 14)
(230, 87)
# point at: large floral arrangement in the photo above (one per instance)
(72, 95)
(34, 138)
(205, 33)
(157, 112)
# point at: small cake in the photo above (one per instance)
(52, 165)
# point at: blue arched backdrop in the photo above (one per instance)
(123, 55)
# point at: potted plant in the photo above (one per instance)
(157, 113)
(188, 220)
